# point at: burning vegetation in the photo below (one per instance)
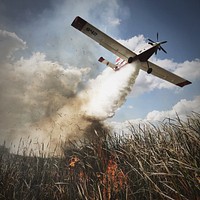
(150, 162)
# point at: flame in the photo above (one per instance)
(73, 161)
(75, 170)
(114, 179)
(111, 179)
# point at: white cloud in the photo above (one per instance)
(9, 42)
(182, 108)
(134, 43)
(190, 69)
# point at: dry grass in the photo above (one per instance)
(151, 162)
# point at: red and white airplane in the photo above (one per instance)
(126, 56)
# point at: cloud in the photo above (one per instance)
(185, 70)
(190, 69)
(182, 108)
(134, 43)
(9, 43)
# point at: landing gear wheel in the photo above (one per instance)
(149, 70)
(130, 59)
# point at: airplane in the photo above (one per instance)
(126, 56)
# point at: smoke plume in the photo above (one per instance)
(42, 101)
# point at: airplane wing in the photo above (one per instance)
(103, 39)
(164, 74)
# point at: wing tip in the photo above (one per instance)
(182, 84)
(78, 23)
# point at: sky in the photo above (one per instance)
(41, 30)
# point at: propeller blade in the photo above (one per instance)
(163, 49)
(163, 42)
(151, 40)
(158, 44)
(150, 43)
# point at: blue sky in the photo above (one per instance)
(176, 22)
(45, 26)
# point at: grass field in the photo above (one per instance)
(150, 162)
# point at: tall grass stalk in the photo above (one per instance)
(150, 162)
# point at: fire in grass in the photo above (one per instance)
(111, 181)
(114, 180)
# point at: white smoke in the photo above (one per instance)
(108, 91)
(42, 101)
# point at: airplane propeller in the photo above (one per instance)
(151, 42)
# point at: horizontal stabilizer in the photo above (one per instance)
(106, 62)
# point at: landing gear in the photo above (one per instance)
(130, 59)
(149, 70)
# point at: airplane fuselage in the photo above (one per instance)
(144, 54)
